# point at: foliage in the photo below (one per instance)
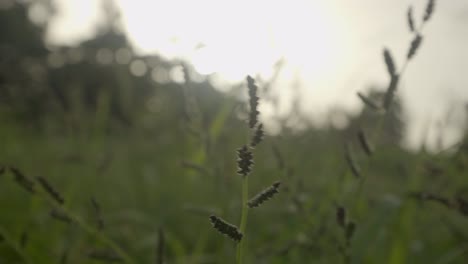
(98, 165)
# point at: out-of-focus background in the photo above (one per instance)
(134, 110)
(329, 49)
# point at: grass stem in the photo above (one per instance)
(9, 240)
(243, 224)
(90, 230)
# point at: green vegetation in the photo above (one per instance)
(100, 166)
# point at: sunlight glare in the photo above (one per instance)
(235, 38)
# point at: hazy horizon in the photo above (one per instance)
(331, 49)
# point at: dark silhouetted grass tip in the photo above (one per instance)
(349, 232)
(391, 91)
(265, 195)
(424, 196)
(410, 19)
(351, 162)
(365, 144)
(367, 101)
(2, 170)
(414, 46)
(258, 136)
(22, 180)
(226, 228)
(60, 216)
(429, 10)
(97, 212)
(50, 190)
(253, 102)
(244, 161)
(462, 206)
(389, 62)
(341, 216)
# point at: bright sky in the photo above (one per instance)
(331, 48)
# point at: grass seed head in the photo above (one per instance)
(429, 10)
(50, 190)
(410, 19)
(253, 102)
(22, 180)
(244, 161)
(341, 216)
(258, 136)
(364, 142)
(414, 46)
(60, 216)
(350, 229)
(226, 228)
(264, 195)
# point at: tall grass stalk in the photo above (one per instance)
(90, 229)
(244, 216)
(396, 75)
(52, 196)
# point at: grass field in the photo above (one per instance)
(80, 186)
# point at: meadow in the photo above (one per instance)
(105, 175)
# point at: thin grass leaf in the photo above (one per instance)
(389, 62)
(410, 19)
(193, 166)
(351, 162)
(24, 239)
(64, 256)
(161, 247)
(97, 213)
(367, 101)
(424, 196)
